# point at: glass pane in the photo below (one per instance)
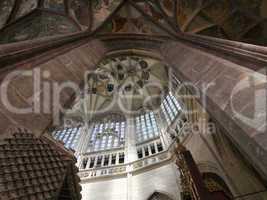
(109, 135)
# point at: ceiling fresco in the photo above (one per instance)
(41, 25)
(6, 7)
(240, 20)
(26, 7)
(102, 9)
(156, 13)
(168, 7)
(79, 10)
(131, 20)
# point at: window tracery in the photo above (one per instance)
(146, 127)
(107, 134)
(69, 136)
(170, 108)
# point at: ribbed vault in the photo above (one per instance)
(127, 25)
(123, 83)
(240, 20)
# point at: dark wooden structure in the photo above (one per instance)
(193, 184)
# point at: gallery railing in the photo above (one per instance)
(123, 169)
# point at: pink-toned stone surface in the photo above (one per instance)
(68, 67)
(238, 110)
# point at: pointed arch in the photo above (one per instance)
(160, 196)
(216, 183)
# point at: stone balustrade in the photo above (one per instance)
(123, 169)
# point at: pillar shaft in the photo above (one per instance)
(233, 95)
(130, 139)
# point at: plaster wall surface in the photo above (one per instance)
(136, 187)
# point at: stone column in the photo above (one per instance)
(232, 94)
(67, 65)
(129, 186)
(130, 152)
(162, 125)
(83, 142)
(130, 141)
(84, 139)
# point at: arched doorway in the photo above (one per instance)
(215, 183)
(159, 196)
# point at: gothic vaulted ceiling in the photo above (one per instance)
(241, 20)
(127, 84)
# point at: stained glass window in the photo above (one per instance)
(69, 136)
(170, 108)
(146, 127)
(106, 136)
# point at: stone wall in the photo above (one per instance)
(139, 186)
(234, 95)
(23, 91)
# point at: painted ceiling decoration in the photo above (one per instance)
(55, 5)
(102, 9)
(168, 7)
(79, 10)
(241, 20)
(142, 17)
(26, 7)
(124, 84)
(6, 7)
(234, 20)
(130, 20)
(41, 25)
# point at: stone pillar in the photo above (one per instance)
(233, 95)
(84, 139)
(130, 141)
(68, 65)
(129, 186)
(130, 152)
(164, 136)
(80, 141)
